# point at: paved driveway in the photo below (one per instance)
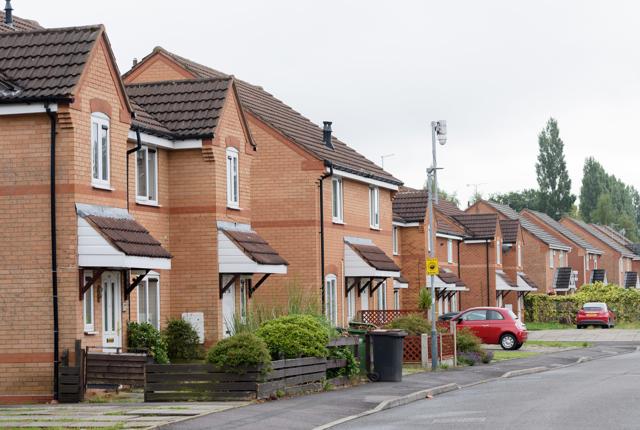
(589, 335)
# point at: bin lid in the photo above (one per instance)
(389, 332)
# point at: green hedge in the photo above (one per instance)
(294, 336)
(625, 302)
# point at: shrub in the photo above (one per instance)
(294, 336)
(466, 341)
(424, 299)
(470, 358)
(414, 324)
(544, 308)
(182, 340)
(487, 356)
(147, 337)
(352, 368)
(234, 354)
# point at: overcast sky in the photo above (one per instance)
(382, 70)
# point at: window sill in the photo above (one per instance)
(90, 333)
(374, 228)
(337, 221)
(234, 208)
(147, 203)
(105, 187)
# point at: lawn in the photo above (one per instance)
(558, 344)
(499, 355)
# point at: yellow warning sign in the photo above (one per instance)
(432, 266)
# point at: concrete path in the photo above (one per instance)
(588, 335)
(597, 395)
(316, 410)
(87, 415)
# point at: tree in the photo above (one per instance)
(553, 178)
(603, 213)
(452, 197)
(594, 183)
(518, 200)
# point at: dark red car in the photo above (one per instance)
(496, 326)
(595, 314)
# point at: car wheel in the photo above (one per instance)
(518, 346)
(578, 326)
(508, 341)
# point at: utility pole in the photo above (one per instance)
(439, 131)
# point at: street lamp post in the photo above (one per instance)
(439, 132)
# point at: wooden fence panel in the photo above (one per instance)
(115, 369)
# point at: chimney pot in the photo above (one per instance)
(326, 134)
(135, 62)
(8, 13)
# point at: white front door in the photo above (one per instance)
(228, 308)
(111, 311)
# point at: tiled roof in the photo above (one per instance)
(450, 278)
(542, 234)
(480, 226)
(375, 257)
(147, 123)
(603, 238)
(411, 206)
(189, 109)
(128, 236)
(564, 231)
(290, 123)
(255, 247)
(528, 280)
(448, 225)
(44, 64)
(598, 275)
(504, 209)
(19, 24)
(509, 230)
(635, 248)
(630, 279)
(614, 234)
(448, 208)
(563, 278)
(503, 276)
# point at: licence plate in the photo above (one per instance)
(592, 315)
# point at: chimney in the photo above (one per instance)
(326, 134)
(135, 62)
(8, 13)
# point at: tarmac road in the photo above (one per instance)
(602, 394)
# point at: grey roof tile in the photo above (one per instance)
(626, 252)
(564, 231)
(542, 234)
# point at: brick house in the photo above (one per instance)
(584, 255)
(323, 206)
(631, 278)
(617, 259)
(411, 249)
(544, 255)
(76, 252)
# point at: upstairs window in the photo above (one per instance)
(100, 150)
(233, 193)
(337, 200)
(374, 207)
(449, 251)
(394, 239)
(147, 175)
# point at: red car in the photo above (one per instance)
(496, 326)
(595, 313)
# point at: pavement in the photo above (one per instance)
(323, 410)
(113, 415)
(600, 394)
(587, 335)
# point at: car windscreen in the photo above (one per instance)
(593, 309)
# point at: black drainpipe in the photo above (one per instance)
(322, 178)
(54, 255)
(129, 152)
(486, 243)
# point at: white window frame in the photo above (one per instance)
(394, 239)
(351, 304)
(331, 295)
(498, 252)
(337, 200)
(595, 262)
(233, 178)
(100, 121)
(519, 255)
(374, 207)
(552, 256)
(145, 284)
(561, 259)
(245, 285)
(382, 296)
(449, 250)
(396, 299)
(146, 199)
(89, 326)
